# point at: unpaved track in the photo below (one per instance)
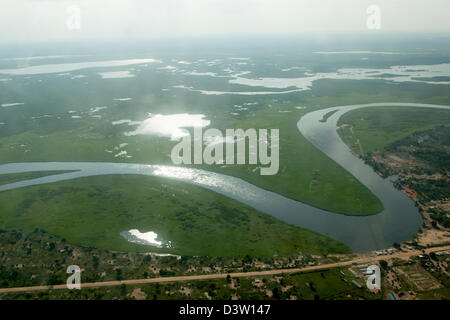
(399, 255)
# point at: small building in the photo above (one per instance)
(357, 284)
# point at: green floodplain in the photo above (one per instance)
(94, 211)
(377, 128)
(60, 121)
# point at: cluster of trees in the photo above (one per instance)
(429, 189)
(430, 146)
(383, 170)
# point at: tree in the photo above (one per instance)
(95, 258)
(433, 256)
(276, 293)
(123, 289)
(118, 274)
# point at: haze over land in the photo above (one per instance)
(45, 20)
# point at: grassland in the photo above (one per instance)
(376, 128)
(306, 174)
(94, 211)
(15, 177)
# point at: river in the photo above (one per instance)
(399, 220)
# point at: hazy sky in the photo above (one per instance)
(38, 20)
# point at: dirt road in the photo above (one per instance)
(365, 260)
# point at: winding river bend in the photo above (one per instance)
(398, 221)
